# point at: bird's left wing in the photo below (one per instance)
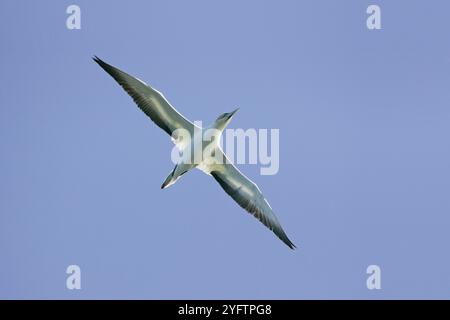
(248, 196)
(149, 100)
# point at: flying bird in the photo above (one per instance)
(234, 183)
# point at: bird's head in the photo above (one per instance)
(224, 119)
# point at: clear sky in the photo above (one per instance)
(364, 149)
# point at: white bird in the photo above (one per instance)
(236, 185)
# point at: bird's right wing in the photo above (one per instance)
(149, 100)
(248, 196)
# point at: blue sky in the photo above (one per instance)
(364, 149)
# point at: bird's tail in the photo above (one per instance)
(176, 173)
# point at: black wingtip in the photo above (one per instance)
(105, 66)
(287, 241)
(291, 245)
(98, 60)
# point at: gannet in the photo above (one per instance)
(234, 183)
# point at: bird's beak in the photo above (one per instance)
(232, 113)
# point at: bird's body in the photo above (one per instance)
(199, 148)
